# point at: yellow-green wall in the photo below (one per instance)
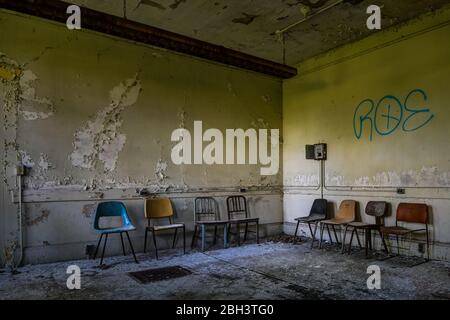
(67, 81)
(319, 106)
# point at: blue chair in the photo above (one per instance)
(113, 209)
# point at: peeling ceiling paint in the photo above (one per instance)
(249, 26)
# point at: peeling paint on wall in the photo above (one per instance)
(33, 107)
(100, 140)
(425, 177)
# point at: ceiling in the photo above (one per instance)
(249, 25)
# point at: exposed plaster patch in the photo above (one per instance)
(43, 216)
(44, 163)
(100, 140)
(89, 210)
(26, 159)
(306, 180)
(160, 171)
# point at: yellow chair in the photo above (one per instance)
(345, 215)
(157, 209)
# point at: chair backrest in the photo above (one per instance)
(111, 209)
(319, 208)
(376, 209)
(412, 212)
(347, 210)
(158, 208)
(206, 209)
(237, 205)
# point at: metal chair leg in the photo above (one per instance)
(131, 246)
(383, 240)
(184, 239)
(366, 235)
(329, 234)
(203, 237)
(104, 246)
(174, 238)
(123, 246)
(351, 241)
(296, 230)
(357, 238)
(246, 231)
(314, 235)
(335, 234)
(225, 236)
(238, 234)
(145, 240)
(193, 237)
(257, 232)
(322, 227)
(98, 245)
(398, 245)
(310, 230)
(343, 239)
(215, 235)
(154, 243)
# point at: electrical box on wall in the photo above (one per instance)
(309, 151)
(320, 151)
(316, 152)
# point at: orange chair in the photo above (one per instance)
(345, 215)
(409, 213)
(161, 208)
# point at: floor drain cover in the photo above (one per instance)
(161, 274)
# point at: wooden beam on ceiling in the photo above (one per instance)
(116, 26)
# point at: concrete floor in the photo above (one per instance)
(267, 271)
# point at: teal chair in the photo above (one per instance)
(113, 209)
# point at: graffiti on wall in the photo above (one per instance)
(391, 114)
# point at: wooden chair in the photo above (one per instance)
(157, 209)
(238, 214)
(377, 209)
(206, 214)
(345, 215)
(318, 213)
(409, 213)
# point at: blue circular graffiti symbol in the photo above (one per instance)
(388, 115)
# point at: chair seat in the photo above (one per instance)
(244, 220)
(166, 227)
(337, 221)
(396, 230)
(116, 230)
(212, 222)
(311, 218)
(363, 225)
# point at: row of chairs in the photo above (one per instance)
(346, 219)
(206, 214)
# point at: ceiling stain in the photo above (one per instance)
(176, 4)
(246, 19)
(151, 4)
